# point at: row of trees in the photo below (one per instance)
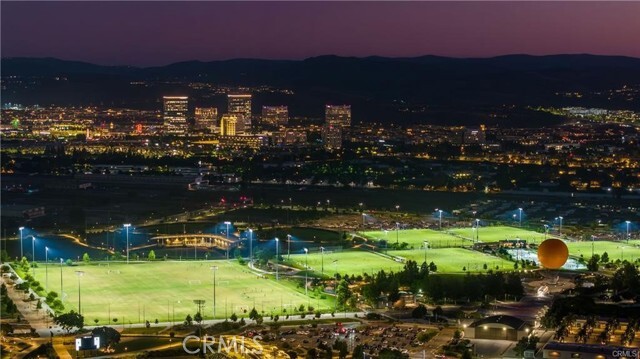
(469, 287)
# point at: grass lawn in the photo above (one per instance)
(157, 290)
(498, 233)
(348, 262)
(452, 260)
(416, 238)
(616, 250)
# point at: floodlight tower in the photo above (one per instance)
(126, 228)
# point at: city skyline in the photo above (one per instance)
(300, 30)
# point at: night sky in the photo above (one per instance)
(157, 33)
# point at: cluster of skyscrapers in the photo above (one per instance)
(237, 120)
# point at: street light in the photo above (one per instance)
(364, 215)
(520, 209)
(214, 269)
(126, 228)
(79, 273)
(306, 265)
(21, 252)
(46, 268)
(277, 275)
(440, 213)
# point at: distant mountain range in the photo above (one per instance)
(407, 88)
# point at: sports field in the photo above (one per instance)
(348, 262)
(417, 237)
(166, 290)
(499, 233)
(452, 260)
(615, 250)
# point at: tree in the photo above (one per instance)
(437, 311)
(69, 321)
(419, 312)
(341, 347)
(525, 343)
(188, 320)
(233, 317)
(253, 314)
(86, 258)
(197, 318)
(358, 351)
(605, 257)
(152, 255)
(343, 293)
(388, 353)
(108, 336)
(592, 264)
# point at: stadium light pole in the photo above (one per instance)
(306, 271)
(288, 246)
(46, 268)
(79, 273)
(335, 287)
(126, 228)
(214, 269)
(250, 245)
(628, 223)
(277, 244)
(426, 244)
(33, 250)
(477, 230)
(560, 231)
(440, 213)
(546, 230)
(61, 288)
(322, 260)
(363, 219)
(397, 232)
(228, 224)
(520, 209)
(21, 251)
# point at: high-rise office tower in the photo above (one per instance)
(338, 115)
(275, 115)
(228, 124)
(240, 104)
(331, 136)
(176, 110)
(206, 118)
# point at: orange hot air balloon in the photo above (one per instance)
(553, 253)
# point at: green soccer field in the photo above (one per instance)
(417, 237)
(452, 260)
(615, 250)
(499, 233)
(166, 291)
(348, 262)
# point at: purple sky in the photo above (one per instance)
(156, 33)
